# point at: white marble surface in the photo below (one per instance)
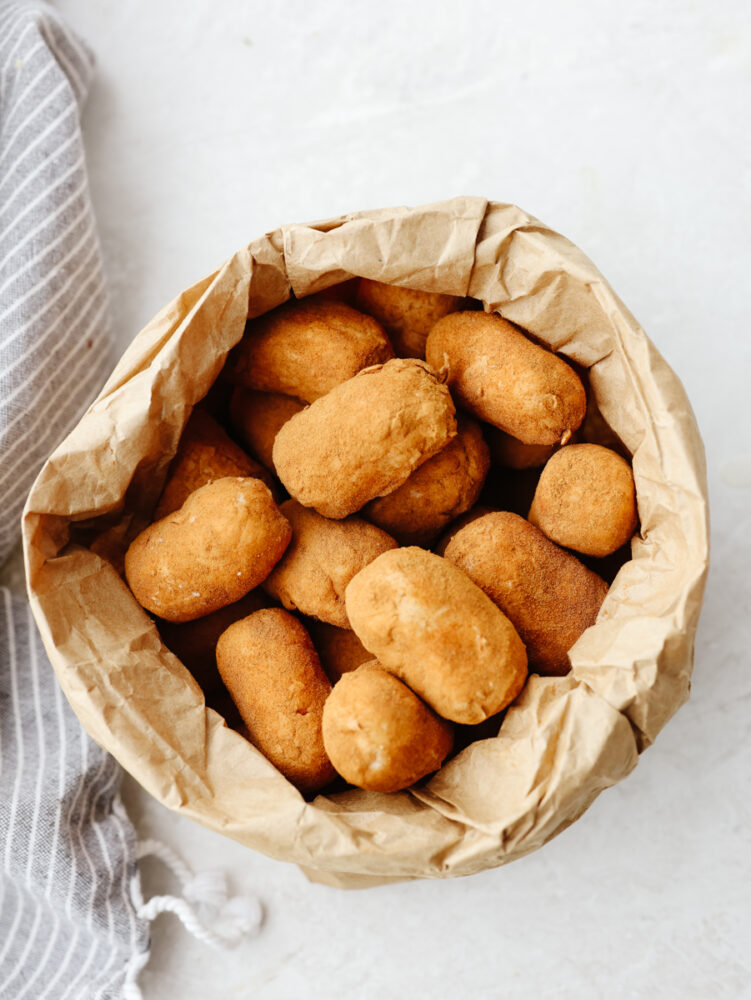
(212, 122)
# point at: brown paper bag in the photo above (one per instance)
(564, 740)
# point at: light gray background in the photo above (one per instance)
(624, 126)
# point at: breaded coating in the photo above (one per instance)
(205, 453)
(270, 668)
(379, 735)
(194, 643)
(479, 511)
(498, 374)
(546, 592)
(258, 417)
(365, 438)
(321, 559)
(305, 348)
(224, 540)
(514, 454)
(586, 500)
(406, 315)
(441, 489)
(339, 649)
(429, 624)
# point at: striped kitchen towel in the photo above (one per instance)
(68, 926)
(54, 334)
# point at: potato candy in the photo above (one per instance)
(430, 625)
(258, 417)
(479, 511)
(499, 375)
(307, 347)
(322, 558)
(514, 454)
(270, 668)
(224, 540)
(379, 735)
(339, 649)
(406, 315)
(585, 500)
(194, 643)
(441, 489)
(205, 453)
(547, 593)
(365, 438)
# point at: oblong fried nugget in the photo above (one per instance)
(224, 540)
(586, 500)
(321, 559)
(514, 454)
(429, 624)
(439, 490)
(339, 649)
(546, 592)
(305, 348)
(272, 671)
(365, 437)
(406, 315)
(258, 417)
(205, 453)
(499, 375)
(194, 642)
(379, 735)
(479, 511)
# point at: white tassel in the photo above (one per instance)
(205, 901)
(131, 989)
